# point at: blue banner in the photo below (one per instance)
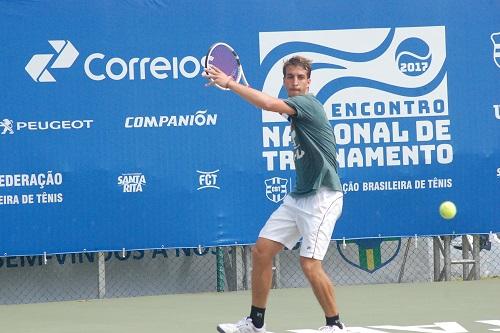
(110, 139)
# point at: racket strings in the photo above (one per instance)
(226, 60)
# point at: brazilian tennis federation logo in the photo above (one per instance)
(276, 188)
(495, 38)
(369, 255)
(39, 65)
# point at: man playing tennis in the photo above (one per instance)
(311, 210)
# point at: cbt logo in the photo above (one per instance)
(37, 67)
(207, 179)
(495, 38)
(276, 189)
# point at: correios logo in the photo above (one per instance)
(98, 66)
(38, 65)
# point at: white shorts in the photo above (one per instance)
(311, 217)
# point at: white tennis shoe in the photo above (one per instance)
(332, 329)
(243, 326)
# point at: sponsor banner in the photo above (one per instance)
(31, 189)
(10, 126)
(132, 182)
(208, 179)
(121, 115)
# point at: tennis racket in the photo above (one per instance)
(223, 56)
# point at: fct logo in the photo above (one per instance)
(37, 67)
(7, 125)
(207, 179)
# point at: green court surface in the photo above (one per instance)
(423, 307)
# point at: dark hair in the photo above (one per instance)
(298, 61)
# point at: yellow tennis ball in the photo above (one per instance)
(447, 210)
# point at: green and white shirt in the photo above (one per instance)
(314, 148)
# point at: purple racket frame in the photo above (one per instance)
(223, 56)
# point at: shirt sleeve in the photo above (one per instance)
(302, 106)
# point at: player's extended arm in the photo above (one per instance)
(253, 96)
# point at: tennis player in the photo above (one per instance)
(311, 210)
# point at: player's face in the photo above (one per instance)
(296, 81)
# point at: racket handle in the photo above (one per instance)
(244, 79)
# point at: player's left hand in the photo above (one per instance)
(216, 76)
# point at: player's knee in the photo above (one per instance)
(259, 254)
(263, 252)
(311, 267)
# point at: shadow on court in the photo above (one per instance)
(472, 306)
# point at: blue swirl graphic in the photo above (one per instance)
(286, 49)
(336, 85)
(411, 50)
(319, 65)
